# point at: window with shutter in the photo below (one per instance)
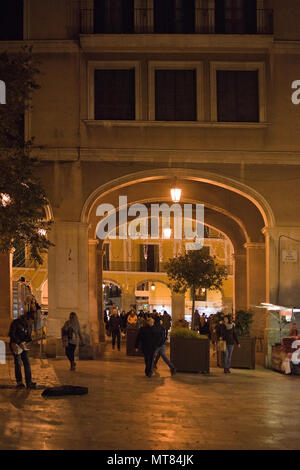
(11, 20)
(175, 95)
(114, 94)
(235, 16)
(237, 96)
(174, 16)
(113, 16)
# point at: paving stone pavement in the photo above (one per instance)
(125, 410)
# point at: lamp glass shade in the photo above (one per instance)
(152, 286)
(176, 194)
(167, 232)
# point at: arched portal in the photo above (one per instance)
(230, 206)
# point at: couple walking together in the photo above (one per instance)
(152, 338)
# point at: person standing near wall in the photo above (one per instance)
(115, 324)
(227, 333)
(71, 336)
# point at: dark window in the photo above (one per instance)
(149, 256)
(106, 256)
(115, 94)
(175, 95)
(235, 16)
(237, 96)
(19, 257)
(174, 16)
(113, 16)
(11, 20)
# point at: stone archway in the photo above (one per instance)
(234, 208)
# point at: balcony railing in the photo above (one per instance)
(137, 266)
(234, 22)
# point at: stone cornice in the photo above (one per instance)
(170, 155)
(176, 43)
(50, 46)
(155, 43)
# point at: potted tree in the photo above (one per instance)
(196, 269)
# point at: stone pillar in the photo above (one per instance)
(68, 274)
(5, 293)
(240, 281)
(256, 274)
(127, 300)
(93, 301)
(178, 306)
(99, 279)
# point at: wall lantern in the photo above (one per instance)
(175, 192)
(153, 286)
(167, 233)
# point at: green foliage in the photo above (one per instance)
(196, 269)
(186, 333)
(23, 216)
(243, 321)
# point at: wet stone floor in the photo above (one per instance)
(125, 410)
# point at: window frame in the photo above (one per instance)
(167, 65)
(243, 67)
(113, 65)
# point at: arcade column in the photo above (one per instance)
(5, 293)
(178, 306)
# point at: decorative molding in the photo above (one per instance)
(207, 124)
(176, 43)
(257, 157)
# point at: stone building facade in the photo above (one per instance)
(133, 95)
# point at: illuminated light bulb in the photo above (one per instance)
(175, 194)
(167, 232)
(5, 199)
(152, 286)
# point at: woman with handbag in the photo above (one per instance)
(71, 335)
(227, 335)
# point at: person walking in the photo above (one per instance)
(228, 334)
(123, 322)
(148, 338)
(115, 324)
(161, 348)
(71, 335)
(20, 334)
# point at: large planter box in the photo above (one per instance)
(131, 334)
(243, 357)
(190, 354)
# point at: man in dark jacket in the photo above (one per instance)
(161, 348)
(20, 334)
(149, 340)
(115, 327)
(226, 332)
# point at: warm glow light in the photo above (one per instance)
(176, 194)
(5, 199)
(152, 286)
(42, 232)
(167, 232)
